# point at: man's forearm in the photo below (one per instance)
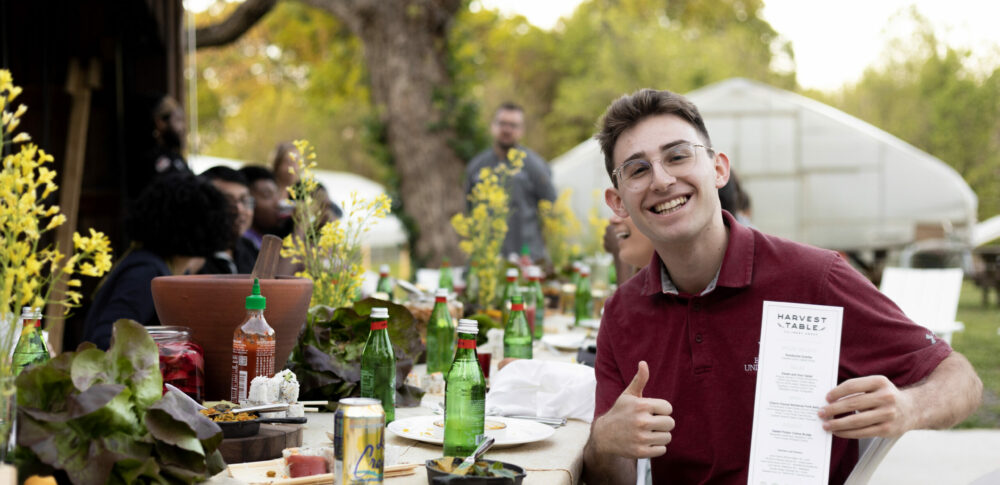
(606, 468)
(948, 395)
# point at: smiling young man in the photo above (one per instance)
(678, 347)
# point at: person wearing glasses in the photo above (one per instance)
(678, 347)
(241, 255)
(529, 186)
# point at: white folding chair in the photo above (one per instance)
(928, 296)
(871, 451)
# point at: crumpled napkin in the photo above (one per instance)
(544, 389)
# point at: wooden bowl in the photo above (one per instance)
(212, 306)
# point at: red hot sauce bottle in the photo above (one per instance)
(253, 347)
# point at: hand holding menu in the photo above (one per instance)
(798, 360)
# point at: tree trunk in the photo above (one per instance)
(405, 45)
(406, 49)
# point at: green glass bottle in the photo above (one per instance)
(440, 335)
(384, 281)
(30, 348)
(471, 292)
(378, 364)
(509, 290)
(535, 286)
(575, 279)
(464, 395)
(584, 304)
(445, 278)
(516, 333)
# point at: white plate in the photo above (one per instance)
(565, 341)
(517, 431)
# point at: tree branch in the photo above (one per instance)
(242, 19)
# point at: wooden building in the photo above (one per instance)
(91, 71)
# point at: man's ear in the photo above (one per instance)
(721, 170)
(614, 201)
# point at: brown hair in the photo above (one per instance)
(628, 110)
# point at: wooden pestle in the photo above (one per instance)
(267, 259)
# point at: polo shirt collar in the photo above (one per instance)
(736, 270)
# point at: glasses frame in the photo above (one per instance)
(616, 174)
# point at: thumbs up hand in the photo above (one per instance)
(635, 427)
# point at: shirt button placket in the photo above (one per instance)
(700, 353)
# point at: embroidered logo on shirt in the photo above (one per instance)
(930, 337)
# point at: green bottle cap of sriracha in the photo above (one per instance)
(255, 301)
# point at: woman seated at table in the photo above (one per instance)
(174, 224)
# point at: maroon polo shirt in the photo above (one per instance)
(702, 349)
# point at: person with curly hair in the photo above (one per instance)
(176, 223)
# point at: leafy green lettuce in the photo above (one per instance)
(98, 417)
(327, 358)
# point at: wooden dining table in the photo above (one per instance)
(555, 460)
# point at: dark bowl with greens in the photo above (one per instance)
(484, 472)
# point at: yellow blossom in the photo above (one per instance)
(28, 268)
(559, 227)
(56, 221)
(330, 253)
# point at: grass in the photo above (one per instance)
(980, 343)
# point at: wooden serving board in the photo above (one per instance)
(256, 473)
(266, 445)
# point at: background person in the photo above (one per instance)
(678, 347)
(529, 186)
(176, 223)
(268, 215)
(169, 137)
(284, 167)
(241, 256)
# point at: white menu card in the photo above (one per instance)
(798, 360)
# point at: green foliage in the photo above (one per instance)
(327, 358)
(933, 97)
(609, 48)
(98, 417)
(298, 74)
(307, 77)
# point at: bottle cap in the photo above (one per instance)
(255, 301)
(584, 270)
(534, 272)
(577, 265)
(380, 312)
(445, 263)
(467, 325)
(384, 269)
(512, 272)
(441, 293)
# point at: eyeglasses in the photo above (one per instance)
(507, 124)
(637, 174)
(246, 201)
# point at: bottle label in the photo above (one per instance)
(466, 343)
(517, 307)
(380, 324)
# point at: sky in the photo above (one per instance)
(833, 41)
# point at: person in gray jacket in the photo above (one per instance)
(529, 186)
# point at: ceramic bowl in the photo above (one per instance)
(437, 477)
(212, 306)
